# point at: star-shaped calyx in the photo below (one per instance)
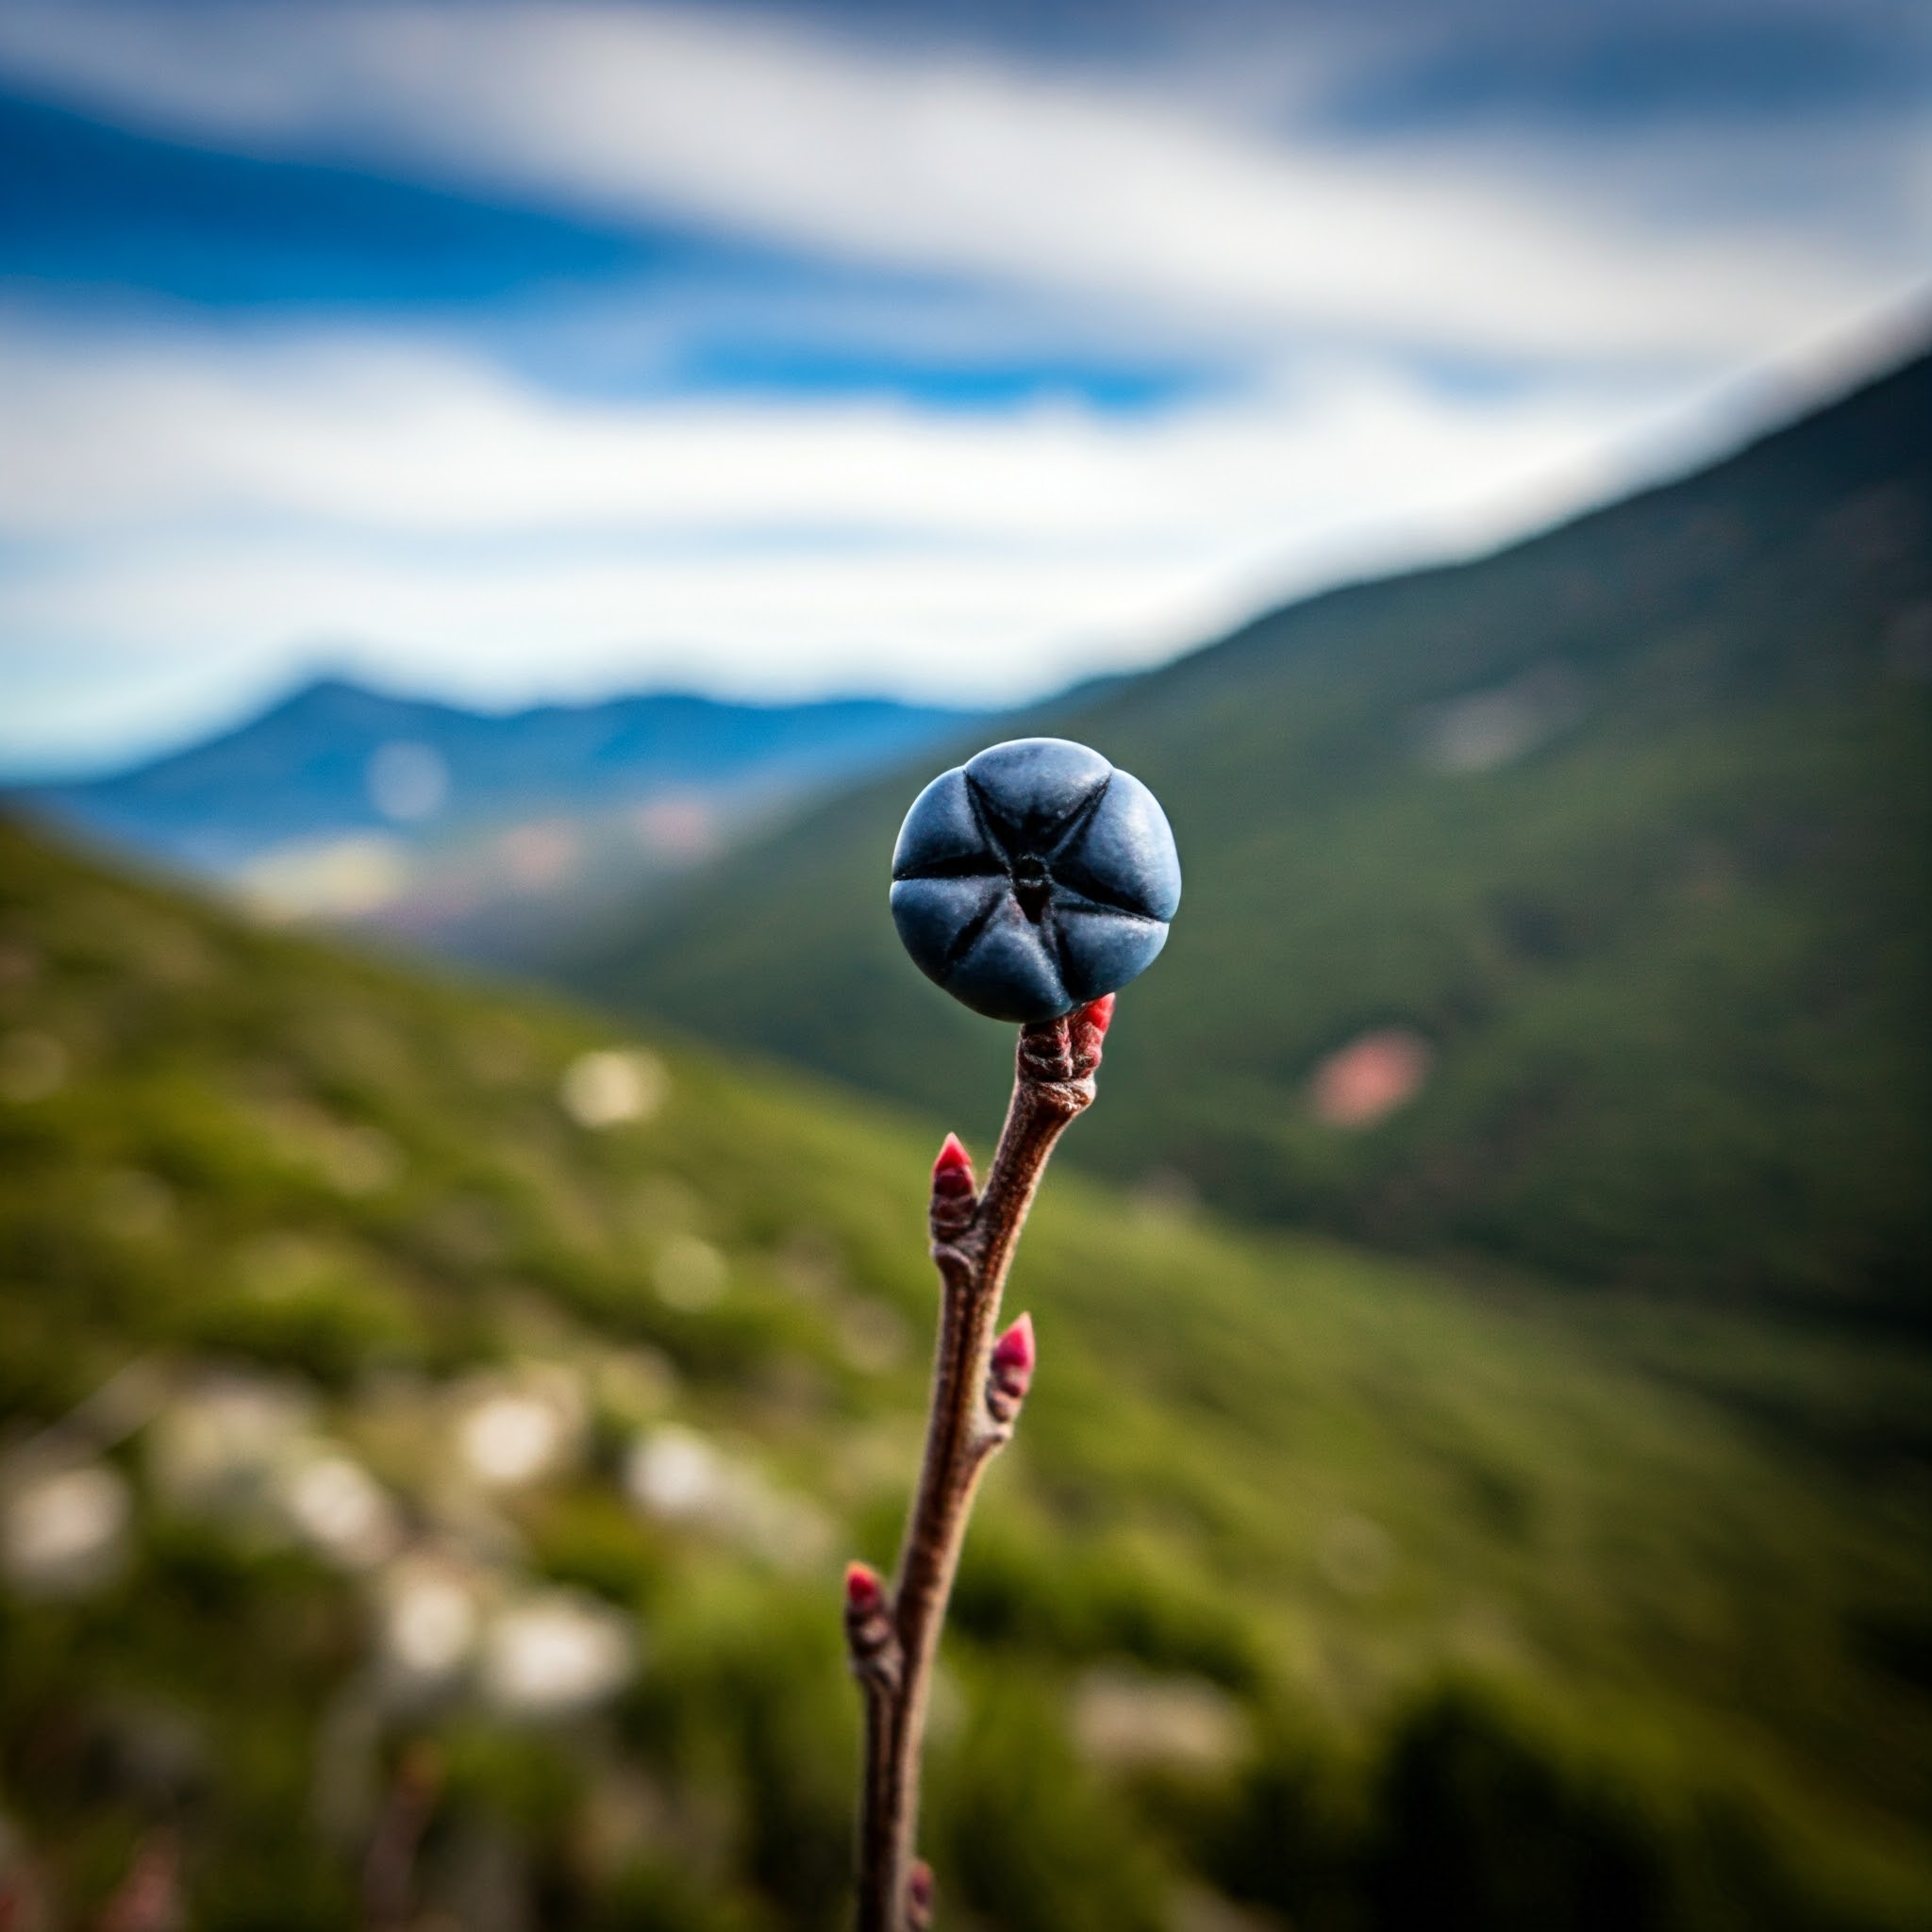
(1034, 879)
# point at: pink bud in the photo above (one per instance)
(149, 1899)
(1086, 1030)
(864, 1592)
(952, 1173)
(870, 1638)
(1012, 1373)
(953, 1199)
(1014, 1350)
(919, 1893)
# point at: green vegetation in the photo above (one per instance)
(1314, 1581)
(1626, 825)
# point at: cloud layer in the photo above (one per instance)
(180, 500)
(508, 350)
(946, 164)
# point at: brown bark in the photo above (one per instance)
(894, 1637)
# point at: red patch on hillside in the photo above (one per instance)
(1369, 1077)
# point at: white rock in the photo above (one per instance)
(64, 1532)
(340, 1511)
(555, 1652)
(611, 1089)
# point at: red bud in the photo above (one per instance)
(864, 1592)
(1011, 1374)
(919, 1893)
(954, 1197)
(870, 1640)
(149, 1899)
(1014, 1349)
(1086, 1028)
(952, 1173)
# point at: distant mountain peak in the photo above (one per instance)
(336, 758)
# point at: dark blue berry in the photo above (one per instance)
(1033, 878)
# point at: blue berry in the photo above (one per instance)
(1033, 878)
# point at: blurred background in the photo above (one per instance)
(502, 506)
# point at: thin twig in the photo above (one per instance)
(389, 1872)
(977, 1388)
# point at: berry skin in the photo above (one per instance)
(1034, 879)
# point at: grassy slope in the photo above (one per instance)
(1519, 1615)
(1672, 957)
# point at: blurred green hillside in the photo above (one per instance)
(432, 1428)
(1617, 837)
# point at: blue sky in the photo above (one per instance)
(508, 351)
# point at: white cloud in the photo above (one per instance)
(199, 503)
(188, 519)
(151, 440)
(925, 161)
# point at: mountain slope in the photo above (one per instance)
(1610, 844)
(474, 835)
(1309, 1580)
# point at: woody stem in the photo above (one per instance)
(972, 1247)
